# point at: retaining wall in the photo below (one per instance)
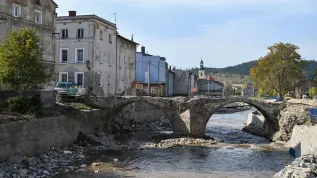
(33, 137)
(304, 139)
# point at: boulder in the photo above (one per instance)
(255, 124)
(256, 119)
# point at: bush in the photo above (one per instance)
(22, 105)
(312, 92)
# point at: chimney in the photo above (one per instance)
(143, 50)
(170, 68)
(72, 13)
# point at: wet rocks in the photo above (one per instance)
(303, 167)
(183, 142)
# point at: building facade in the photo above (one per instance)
(86, 50)
(126, 70)
(170, 83)
(248, 90)
(184, 83)
(157, 67)
(35, 14)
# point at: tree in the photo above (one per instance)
(21, 62)
(228, 88)
(278, 70)
(312, 92)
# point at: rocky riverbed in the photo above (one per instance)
(183, 142)
(303, 167)
(72, 158)
(58, 160)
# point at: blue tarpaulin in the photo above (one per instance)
(313, 115)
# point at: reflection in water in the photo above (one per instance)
(226, 161)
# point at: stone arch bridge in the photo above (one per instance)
(188, 116)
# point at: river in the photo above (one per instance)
(227, 159)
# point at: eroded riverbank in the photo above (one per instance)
(237, 154)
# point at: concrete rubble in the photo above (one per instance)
(303, 167)
(293, 114)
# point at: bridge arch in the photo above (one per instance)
(168, 107)
(203, 109)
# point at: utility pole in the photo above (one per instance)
(148, 82)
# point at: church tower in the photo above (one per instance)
(201, 71)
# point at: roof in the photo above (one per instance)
(161, 58)
(54, 3)
(128, 40)
(215, 81)
(171, 72)
(60, 18)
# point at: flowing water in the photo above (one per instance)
(228, 159)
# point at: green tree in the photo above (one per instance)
(312, 92)
(278, 70)
(21, 62)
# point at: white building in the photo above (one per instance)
(126, 70)
(87, 53)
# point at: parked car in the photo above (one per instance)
(64, 87)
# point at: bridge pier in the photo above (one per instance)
(195, 123)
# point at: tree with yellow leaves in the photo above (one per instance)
(278, 70)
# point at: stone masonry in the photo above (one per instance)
(187, 116)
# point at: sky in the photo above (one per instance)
(221, 32)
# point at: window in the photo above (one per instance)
(64, 33)
(38, 17)
(129, 62)
(100, 80)
(125, 73)
(79, 78)
(110, 38)
(119, 61)
(80, 33)
(100, 57)
(124, 60)
(16, 10)
(109, 58)
(125, 45)
(101, 35)
(109, 81)
(153, 90)
(80, 55)
(63, 76)
(37, 2)
(64, 56)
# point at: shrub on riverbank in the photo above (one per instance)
(21, 105)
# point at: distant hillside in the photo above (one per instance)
(244, 69)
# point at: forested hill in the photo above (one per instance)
(244, 68)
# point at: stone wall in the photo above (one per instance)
(33, 137)
(140, 113)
